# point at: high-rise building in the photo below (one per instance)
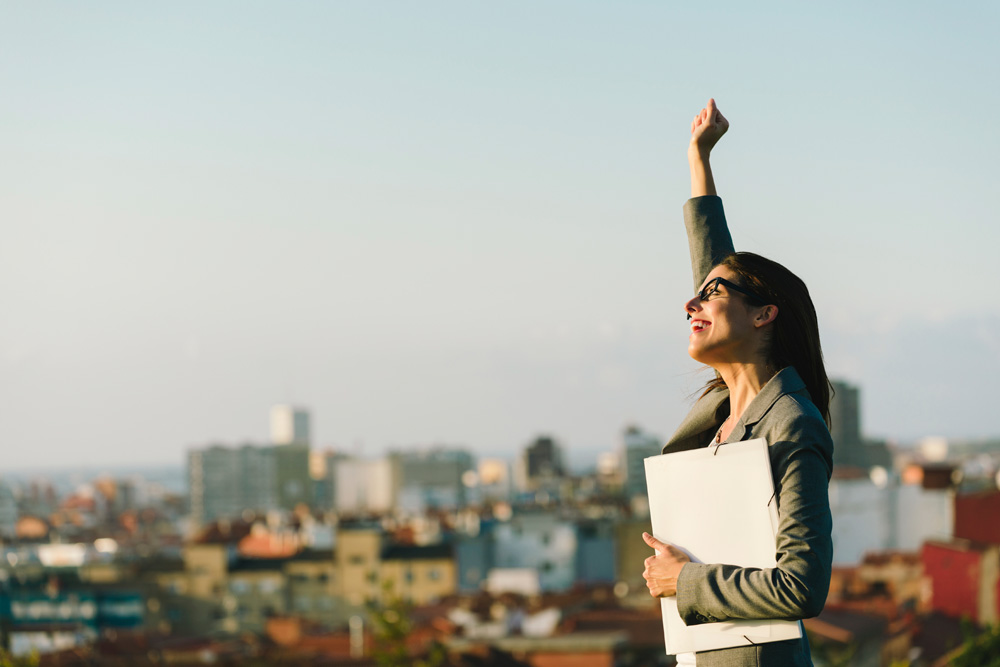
(290, 425)
(8, 511)
(850, 448)
(637, 446)
(433, 478)
(225, 481)
(541, 464)
(293, 483)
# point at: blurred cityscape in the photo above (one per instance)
(280, 552)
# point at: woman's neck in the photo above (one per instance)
(744, 382)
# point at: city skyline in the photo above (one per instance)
(461, 225)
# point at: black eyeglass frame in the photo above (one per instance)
(712, 285)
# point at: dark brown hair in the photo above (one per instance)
(794, 339)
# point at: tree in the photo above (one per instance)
(982, 650)
(8, 660)
(392, 625)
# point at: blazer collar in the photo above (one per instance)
(711, 410)
(785, 381)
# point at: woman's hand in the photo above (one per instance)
(663, 568)
(706, 130)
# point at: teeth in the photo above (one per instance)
(698, 326)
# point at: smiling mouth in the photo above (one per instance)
(699, 325)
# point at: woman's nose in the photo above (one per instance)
(692, 306)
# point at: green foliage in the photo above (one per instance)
(392, 625)
(982, 650)
(831, 654)
(7, 660)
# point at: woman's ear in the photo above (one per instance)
(766, 315)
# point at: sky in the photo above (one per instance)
(460, 223)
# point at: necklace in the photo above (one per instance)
(718, 434)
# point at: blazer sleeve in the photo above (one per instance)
(800, 452)
(708, 235)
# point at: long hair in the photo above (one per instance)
(794, 336)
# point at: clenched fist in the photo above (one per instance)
(663, 568)
(706, 129)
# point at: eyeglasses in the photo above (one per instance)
(712, 287)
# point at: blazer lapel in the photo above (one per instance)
(711, 410)
(701, 423)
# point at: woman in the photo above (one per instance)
(752, 321)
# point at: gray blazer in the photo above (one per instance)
(801, 453)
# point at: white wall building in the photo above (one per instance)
(921, 515)
(290, 425)
(861, 518)
(872, 517)
(366, 486)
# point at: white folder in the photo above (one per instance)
(717, 505)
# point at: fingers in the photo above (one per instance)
(653, 542)
(721, 120)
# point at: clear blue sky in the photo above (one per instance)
(460, 222)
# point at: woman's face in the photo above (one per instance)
(722, 323)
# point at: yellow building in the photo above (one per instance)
(419, 574)
(357, 556)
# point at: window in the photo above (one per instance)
(239, 587)
(268, 586)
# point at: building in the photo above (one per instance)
(495, 483)
(293, 483)
(874, 512)
(366, 487)
(433, 479)
(541, 465)
(849, 446)
(977, 516)
(227, 481)
(965, 579)
(8, 512)
(862, 517)
(596, 555)
(965, 571)
(541, 542)
(290, 425)
(323, 470)
(418, 574)
(637, 446)
(224, 481)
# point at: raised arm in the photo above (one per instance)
(708, 236)
(706, 130)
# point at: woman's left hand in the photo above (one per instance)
(663, 568)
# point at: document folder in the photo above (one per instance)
(717, 505)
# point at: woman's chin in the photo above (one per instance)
(697, 354)
(702, 356)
